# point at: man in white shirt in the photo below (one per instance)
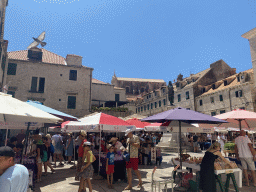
(246, 154)
(13, 177)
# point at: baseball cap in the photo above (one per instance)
(7, 151)
(128, 131)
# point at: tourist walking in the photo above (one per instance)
(58, 148)
(246, 154)
(86, 172)
(13, 177)
(69, 148)
(81, 139)
(133, 144)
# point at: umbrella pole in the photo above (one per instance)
(99, 152)
(240, 125)
(180, 144)
(6, 135)
(74, 146)
(25, 144)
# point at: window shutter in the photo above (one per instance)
(34, 84)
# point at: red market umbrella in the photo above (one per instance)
(137, 123)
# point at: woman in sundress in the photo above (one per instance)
(86, 172)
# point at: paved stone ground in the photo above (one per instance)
(63, 179)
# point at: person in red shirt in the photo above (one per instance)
(82, 137)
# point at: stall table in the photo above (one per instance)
(196, 168)
(30, 164)
(237, 162)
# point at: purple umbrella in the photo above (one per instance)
(183, 115)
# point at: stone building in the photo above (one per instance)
(136, 86)
(106, 95)
(3, 44)
(234, 92)
(187, 89)
(153, 102)
(251, 36)
(60, 83)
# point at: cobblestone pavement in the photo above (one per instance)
(63, 179)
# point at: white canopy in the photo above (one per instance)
(13, 110)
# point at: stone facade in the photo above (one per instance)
(59, 83)
(104, 92)
(154, 102)
(136, 86)
(187, 89)
(251, 36)
(234, 92)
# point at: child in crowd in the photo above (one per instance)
(159, 155)
(86, 172)
(110, 165)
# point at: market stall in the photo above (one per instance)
(226, 174)
(99, 122)
(14, 112)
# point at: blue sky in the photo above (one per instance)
(154, 39)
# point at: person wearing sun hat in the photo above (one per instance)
(133, 145)
(13, 177)
(86, 172)
(82, 139)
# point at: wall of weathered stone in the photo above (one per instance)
(57, 85)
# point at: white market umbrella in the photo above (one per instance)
(14, 111)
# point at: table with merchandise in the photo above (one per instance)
(235, 174)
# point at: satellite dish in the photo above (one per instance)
(37, 41)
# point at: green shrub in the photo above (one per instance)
(229, 146)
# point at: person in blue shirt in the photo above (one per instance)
(13, 177)
(110, 165)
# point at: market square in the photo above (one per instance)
(110, 95)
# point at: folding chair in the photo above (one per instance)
(155, 183)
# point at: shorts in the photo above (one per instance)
(110, 169)
(133, 163)
(39, 160)
(195, 144)
(247, 163)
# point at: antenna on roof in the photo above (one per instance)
(114, 73)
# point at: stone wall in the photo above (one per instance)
(57, 86)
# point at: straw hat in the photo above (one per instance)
(83, 132)
(109, 146)
(48, 136)
(113, 139)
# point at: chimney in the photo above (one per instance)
(35, 54)
(72, 59)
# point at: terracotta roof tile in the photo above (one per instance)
(48, 57)
(231, 84)
(97, 81)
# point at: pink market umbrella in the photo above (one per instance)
(239, 118)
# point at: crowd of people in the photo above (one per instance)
(48, 149)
